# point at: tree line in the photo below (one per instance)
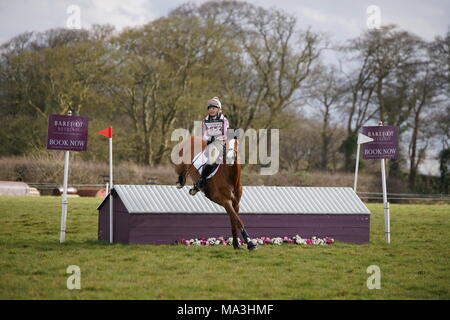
(268, 72)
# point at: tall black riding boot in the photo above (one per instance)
(207, 169)
(201, 183)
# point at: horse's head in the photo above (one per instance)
(232, 152)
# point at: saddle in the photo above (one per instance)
(199, 162)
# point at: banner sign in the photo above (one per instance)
(68, 133)
(384, 144)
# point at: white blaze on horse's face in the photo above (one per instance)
(231, 151)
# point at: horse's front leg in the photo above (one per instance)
(234, 217)
(181, 181)
(182, 171)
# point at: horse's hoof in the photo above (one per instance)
(179, 185)
(252, 247)
(193, 191)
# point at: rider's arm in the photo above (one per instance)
(225, 129)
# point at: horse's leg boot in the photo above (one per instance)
(181, 181)
(236, 245)
(250, 244)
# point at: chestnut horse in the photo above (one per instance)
(224, 188)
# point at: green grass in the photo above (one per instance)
(33, 263)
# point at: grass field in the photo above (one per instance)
(416, 265)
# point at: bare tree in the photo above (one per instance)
(326, 99)
(380, 84)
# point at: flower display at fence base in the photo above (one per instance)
(258, 241)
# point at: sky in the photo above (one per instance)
(342, 19)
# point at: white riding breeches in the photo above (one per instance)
(214, 152)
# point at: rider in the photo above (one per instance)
(215, 126)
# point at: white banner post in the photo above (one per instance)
(111, 186)
(62, 235)
(362, 138)
(387, 217)
(355, 183)
(108, 133)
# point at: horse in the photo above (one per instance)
(224, 188)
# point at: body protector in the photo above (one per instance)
(215, 132)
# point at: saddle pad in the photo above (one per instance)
(199, 161)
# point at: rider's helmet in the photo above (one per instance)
(214, 102)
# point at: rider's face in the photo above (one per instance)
(213, 111)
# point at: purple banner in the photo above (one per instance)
(68, 133)
(384, 145)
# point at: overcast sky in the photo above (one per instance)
(342, 19)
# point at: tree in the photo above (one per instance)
(157, 71)
(283, 57)
(49, 72)
(422, 99)
(298, 143)
(389, 61)
(444, 167)
(266, 64)
(358, 97)
(326, 99)
(439, 51)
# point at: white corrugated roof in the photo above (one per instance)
(255, 200)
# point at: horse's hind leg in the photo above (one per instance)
(245, 236)
(234, 224)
